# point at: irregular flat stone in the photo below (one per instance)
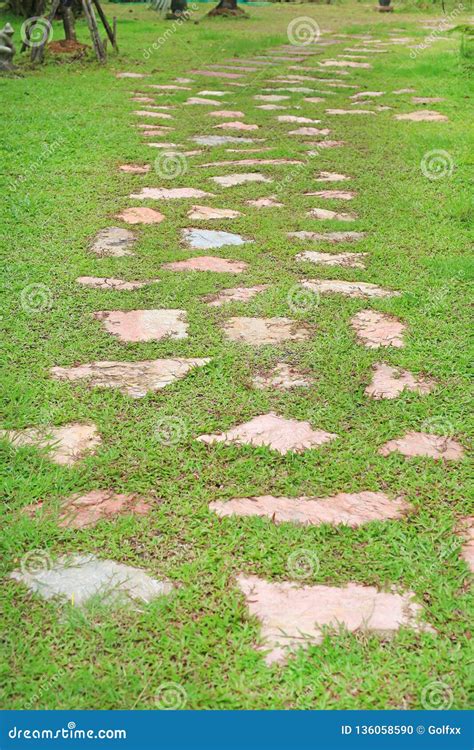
(237, 294)
(201, 100)
(154, 132)
(326, 144)
(168, 87)
(207, 263)
(152, 113)
(404, 91)
(358, 289)
(113, 241)
(134, 379)
(98, 282)
(295, 118)
(283, 377)
(339, 195)
(144, 325)
(350, 509)
(367, 94)
(424, 115)
(314, 99)
(389, 382)
(423, 444)
(216, 74)
(66, 444)
(375, 329)
(236, 125)
(229, 180)
(167, 146)
(309, 131)
(468, 548)
(332, 237)
(204, 239)
(343, 64)
(143, 99)
(271, 97)
(331, 177)
(79, 578)
(427, 99)
(270, 107)
(130, 75)
(79, 511)
(207, 212)
(140, 215)
(346, 260)
(226, 113)
(206, 92)
(269, 202)
(349, 112)
(135, 168)
(260, 331)
(251, 162)
(324, 214)
(166, 194)
(273, 431)
(219, 140)
(294, 616)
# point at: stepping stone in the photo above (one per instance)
(339, 195)
(170, 146)
(294, 118)
(227, 113)
(144, 325)
(80, 578)
(232, 67)
(324, 214)
(269, 202)
(134, 379)
(294, 616)
(166, 194)
(66, 445)
(375, 329)
(79, 511)
(424, 115)
(216, 74)
(349, 112)
(422, 444)
(314, 99)
(260, 331)
(207, 212)
(468, 548)
(205, 239)
(207, 263)
(152, 113)
(389, 382)
(309, 131)
(404, 91)
(97, 282)
(271, 97)
(135, 168)
(329, 236)
(140, 215)
(283, 377)
(357, 289)
(219, 140)
(270, 107)
(251, 162)
(346, 260)
(143, 99)
(325, 144)
(275, 432)
(113, 241)
(155, 132)
(131, 75)
(237, 294)
(229, 180)
(427, 99)
(235, 125)
(200, 100)
(350, 509)
(212, 93)
(365, 94)
(168, 87)
(331, 177)
(344, 64)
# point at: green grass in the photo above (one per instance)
(418, 241)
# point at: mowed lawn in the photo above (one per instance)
(65, 130)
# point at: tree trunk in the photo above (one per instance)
(69, 24)
(227, 8)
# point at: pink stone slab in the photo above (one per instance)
(226, 113)
(349, 112)
(309, 131)
(134, 379)
(346, 260)
(135, 168)
(375, 329)
(97, 282)
(340, 195)
(237, 294)
(152, 113)
(294, 616)
(140, 215)
(357, 289)
(275, 432)
(229, 180)
(314, 99)
(423, 444)
(79, 511)
(404, 91)
(325, 214)
(212, 93)
(270, 107)
(165, 194)
(207, 212)
(216, 74)
(468, 547)
(350, 509)
(202, 100)
(235, 125)
(130, 75)
(271, 97)
(331, 177)
(283, 377)
(295, 118)
(261, 331)
(168, 87)
(207, 263)
(367, 94)
(427, 99)
(251, 162)
(144, 325)
(269, 202)
(390, 382)
(66, 444)
(333, 237)
(424, 115)
(343, 64)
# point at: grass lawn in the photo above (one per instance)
(65, 130)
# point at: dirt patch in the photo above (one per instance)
(68, 47)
